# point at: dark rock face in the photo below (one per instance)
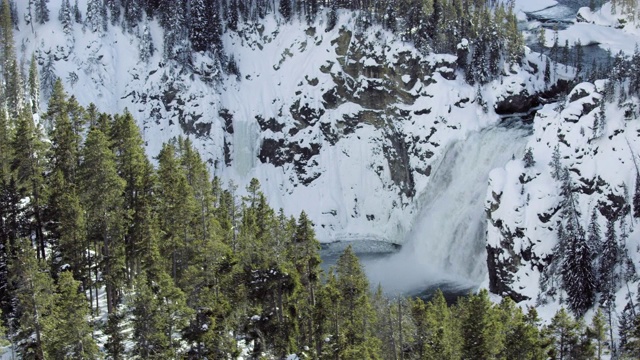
(398, 159)
(501, 275)
(518, 103)
(504, 261)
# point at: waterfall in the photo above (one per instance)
(447, 241)
(245, 146)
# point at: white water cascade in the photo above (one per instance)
(447, 242)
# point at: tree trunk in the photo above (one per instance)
(401, 340)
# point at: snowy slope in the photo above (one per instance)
(603, 27)
(344, 124)
(523, 204)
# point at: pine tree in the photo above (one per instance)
(285, 9)
(609, 273)
(71, 334)
(232, 15)
(115, 9)
(547, 72)
(101, 194)
(437, 328)
(149, 334)
(116, 337)
(354, 339)
(132, 166)
(3, 334)
(626, 341)
(6, 154)
(14, 87)
(172, 18)
(94, 19)
(41, 11)
(28, 167)
(159, 312)
(578, 275)
(35, 296)
(594, 238)
(146, 44)
(564, 331)
(34, 85)
(565, 54)
(541, 40)
(636, 197)
(175, 208)
(11, 228)
(598, 332)
(77, 15)
(522, 338)
(528, 158)
(66, 17)
(481, 331)
(133, 15)
(555, 164)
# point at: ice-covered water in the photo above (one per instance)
(447, 241)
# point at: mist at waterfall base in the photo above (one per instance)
(446, 246)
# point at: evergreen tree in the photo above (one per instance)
(176, 208)
(626, 342)
(522, 338)
(34, 85)
(115, 9)
(101, 194)
(95, 20)
(528, 158)
(77, 15)
(232, 15)
(114, 330)
(636, 197)
(594, 238)
(285, 9)
(579, 62)
(437, 329)
(66, 17)
(547, 71)
(578, 275)
(149, 336)
(609, 274)
(481, 332)
(355, 340)
(132, 166)
(28, 167)
(598, 332)
(564, 332)
(541, 40)
(35, 296)
(71, 334)
(159, 312)
(146, 44)
(11, 228)
(555, 164)
(41, 11)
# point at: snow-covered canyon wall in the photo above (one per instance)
(346, 124)
(598, 140)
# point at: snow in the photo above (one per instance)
(531, 6)
(521, 204)
(602, 28)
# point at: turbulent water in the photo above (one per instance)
(447, 242)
